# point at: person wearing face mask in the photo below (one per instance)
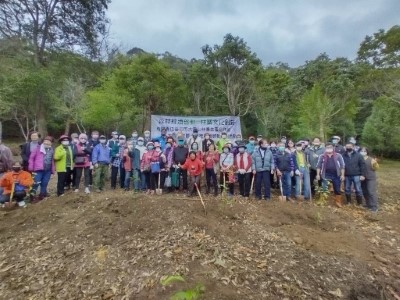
(117, 154)
(28, 147)
(162, 139)
(41, 162)
(169, 149)
(179, 156)
(354, 173)
(147, 136)
(139, 181)
(195, 138)
(262, 165)
(149, 157)
(330, 166)
(243, 166)
(134, 138)
(114, 139)
(259, 139)
(368, 185)
(284, 140)
(207, 142)
(18, 181)
(127, 164)
(302, 178)
(194, 167)
(285, 164)
(101, 158)
(74, 138)
(312, 154)
(211, 161)
(160, 176)
(93, 142)
(226, 163)
(63, 157)
(222, 142)
(337, 146)
(195, 147)
(251, 145)
(273, 177)
(82, 157)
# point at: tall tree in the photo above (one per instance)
(52, 25)
(236, 68)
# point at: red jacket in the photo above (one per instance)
(246, 161)
(194, 167)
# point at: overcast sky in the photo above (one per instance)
(291, 31)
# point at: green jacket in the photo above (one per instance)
(60, 158)
(221, 143)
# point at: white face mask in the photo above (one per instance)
(134, 135)
(329, 150)
(103, 141)
(140, 143)
(223, 136)
(146, 134)
(65, 143)
(226, 150)
(363, 153)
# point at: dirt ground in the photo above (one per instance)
(118, 245)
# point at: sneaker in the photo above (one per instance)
(22, 204)
(87, 191)
(76, 191)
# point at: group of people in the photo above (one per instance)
(172, 162)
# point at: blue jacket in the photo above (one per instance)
(250, 147)
(259, 164)
(162, 140)
(101, 154)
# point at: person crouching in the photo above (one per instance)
(16, 183)
(194, 168)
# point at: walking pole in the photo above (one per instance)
(201, 198)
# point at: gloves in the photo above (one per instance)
(297, 172)
(242, 171)
(291, 173)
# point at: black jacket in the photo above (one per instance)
(354, 164)
(180, 154)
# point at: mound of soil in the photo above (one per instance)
(119, 245)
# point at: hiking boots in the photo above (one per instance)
(338, 200)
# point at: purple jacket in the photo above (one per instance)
(36, 159)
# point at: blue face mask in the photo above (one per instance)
(181, 143)
(150, 147)
(168, 145)
(281, 148)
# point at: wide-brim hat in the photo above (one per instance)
(63, 138)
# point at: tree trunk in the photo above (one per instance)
(67, 127)
(41, 120)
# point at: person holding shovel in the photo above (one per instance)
(285, 168)
(194, 168)
(302, 174)
(243, 166)
(16, 183)
(262, 165)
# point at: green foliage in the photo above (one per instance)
(189, 294)
(381, 133)
(167, 280)
(322, 194)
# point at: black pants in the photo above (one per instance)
(244, 184)
(18, 196)
(221, 181)
(313, 174)
(61, 177)
(68, 180)
(78, 177)
(211, 176)
(150, 180)
(114, 175)
(162, 175)
(91, 177)
(184, 178)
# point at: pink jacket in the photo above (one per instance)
(148, 157)
(36, 159)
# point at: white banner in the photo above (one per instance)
(204, 124)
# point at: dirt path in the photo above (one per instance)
(118, 246)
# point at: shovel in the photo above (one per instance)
(159, 189)
(201, 198)
(10, 203)
(281, 197)
(252, 185)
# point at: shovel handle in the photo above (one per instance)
(201, 198)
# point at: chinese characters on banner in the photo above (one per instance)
(212, 125)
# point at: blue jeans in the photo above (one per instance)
(263, 178)
(41, 179)
(355, 180)
(335, 182)
(305, 183)
(139, 180)
(127, 183)
(286, 183)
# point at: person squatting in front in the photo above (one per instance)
(194, 167)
